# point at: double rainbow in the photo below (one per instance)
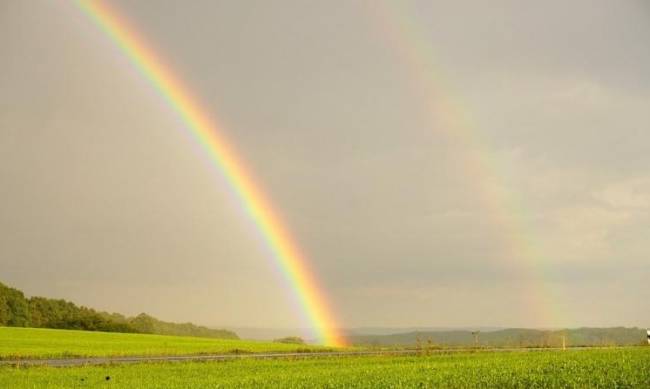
(286, 253)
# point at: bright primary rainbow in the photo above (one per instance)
(285, 250)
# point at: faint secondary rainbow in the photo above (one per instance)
(452, 119)
(285, 250)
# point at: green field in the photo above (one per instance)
(604, 368)
(47, 343)
(586, 368)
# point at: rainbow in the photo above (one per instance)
(286, 252)
(451, 119)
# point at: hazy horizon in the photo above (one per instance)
(439, 162)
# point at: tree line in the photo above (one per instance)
(16, 310)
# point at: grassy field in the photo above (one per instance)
(608, 368)
(47, 343)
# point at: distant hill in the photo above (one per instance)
(260, 333)
(400, 330)
(18, 311)
(512, 337)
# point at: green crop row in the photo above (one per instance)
(604, 368)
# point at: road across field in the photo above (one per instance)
(63, 362)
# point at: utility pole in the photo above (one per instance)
(563, 341)
(476, 333)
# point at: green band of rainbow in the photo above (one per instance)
(285, 250)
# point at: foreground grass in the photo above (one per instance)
(608, 368)
(16, 343)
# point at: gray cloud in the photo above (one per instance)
(107, 201)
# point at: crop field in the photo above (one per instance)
(18, 343)
(596, 368)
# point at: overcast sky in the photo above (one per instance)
(336, 106)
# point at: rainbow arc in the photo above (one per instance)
(210, 136)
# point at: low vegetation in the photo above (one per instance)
(21, 343)
(511, 337)
(604, 368)
(290, 340)
(18, 311)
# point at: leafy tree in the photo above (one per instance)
(143, 323)
(18, 311)
(291, 340)
(14, 310)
